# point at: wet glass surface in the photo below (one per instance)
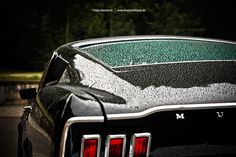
(159, 51)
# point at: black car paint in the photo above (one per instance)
(85, 96)
(202, 133)
(189, 82)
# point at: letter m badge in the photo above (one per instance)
(179, 116)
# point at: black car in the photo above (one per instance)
(134, 96)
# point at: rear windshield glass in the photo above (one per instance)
(141, 52)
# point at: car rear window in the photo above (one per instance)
(140, 52)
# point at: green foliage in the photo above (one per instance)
(45, 25)
(169, 20)
(20, 76)
(159, 18)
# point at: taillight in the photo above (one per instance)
(115, 146)
(90, 146)
(140, 145)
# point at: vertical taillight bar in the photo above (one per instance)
(90, 146)
(115, 146)
(140, 145)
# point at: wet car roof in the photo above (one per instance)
(118, 53)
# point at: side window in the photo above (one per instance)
(71, 75)
(54, 71)
(65, 78)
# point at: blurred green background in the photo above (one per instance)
(32, 29)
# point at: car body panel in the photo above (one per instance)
(179, 101)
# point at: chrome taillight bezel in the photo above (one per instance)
(109, 137)
(132, 143)
(88, 137)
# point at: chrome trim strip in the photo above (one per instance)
(72, 120)
(93, 136)
(132, 144)
(177, 62)
(164, 108)
(147, 37)
(109, 137)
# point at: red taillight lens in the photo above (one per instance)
(140, 145)
(90, 146)
(140, 149)
(115, 146)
